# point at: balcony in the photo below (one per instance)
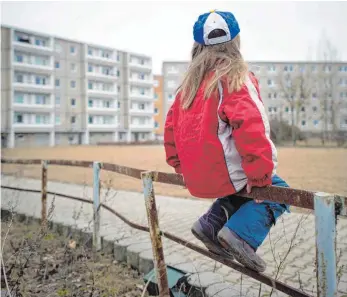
(101, 76)
(102, 93)
(141, 127)
(102, 127)
(32, 67)
(141, 112)
(30, 47)
(32, 87)
(138, 66)
(102, 60)
(102, 110)
(32, 107)
(141, 97)
(142, 82)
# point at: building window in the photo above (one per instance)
(270, 109)
(142, 61)
(118, 73)
(40, 42)
(73, 84)
(156, 110)
(269, 95)
(285, 68)
(19, 98)
(303, 108)
(270, 82)
(90, 52)
(118, 58)
(57, 64)
(90, 85)
(40, 99)
(22, 38)
(313, 68)
(18, 118)
(57, 100)
(90, 103)
(142, 91)
(90, 120)
(72, 49)
(57, 120)
(315, 122)
(90, 68)
(39, 80)
(73, 102)
(314, 95)
(57, 83)
(170, 97)
(19, 78)
(290, 68)
(314, 108)
(107, 104)
(156, 124)
(287, 109)
(73, 120)
(141, 76)
(155, 96)
(73, 67)
(40, 61)
(118, 104)
(302, 68)
(303, 123)
(19, 58)
(118, 89)
(141, 106)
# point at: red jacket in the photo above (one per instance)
(221, 143)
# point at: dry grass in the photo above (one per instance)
(303, 168)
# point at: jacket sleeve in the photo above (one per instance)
(250, 130)
(169, 142)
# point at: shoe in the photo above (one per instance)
(241, 250)
(208, 226)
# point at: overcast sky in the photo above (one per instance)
(163, 29)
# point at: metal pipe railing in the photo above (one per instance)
(325, 206)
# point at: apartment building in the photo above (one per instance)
(270, 74)
(56, 91)
(158, 107)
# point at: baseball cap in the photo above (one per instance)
(215, 27)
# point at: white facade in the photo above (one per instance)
(57, 91)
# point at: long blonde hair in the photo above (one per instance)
(222, 61)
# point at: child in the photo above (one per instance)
(217, 136)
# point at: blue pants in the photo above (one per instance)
(252, 221)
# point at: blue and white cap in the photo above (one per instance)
(215, 27)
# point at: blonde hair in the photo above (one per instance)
(222, 61)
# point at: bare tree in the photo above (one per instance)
(295, 84)
(326, 85)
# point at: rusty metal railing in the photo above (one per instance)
(325, 206)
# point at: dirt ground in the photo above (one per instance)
(318, 169)
(40, 264)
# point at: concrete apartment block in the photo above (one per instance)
(56, 91)
(269, 74)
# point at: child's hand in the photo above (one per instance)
(249, 190)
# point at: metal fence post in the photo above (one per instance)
(324, 208)
(96, 206)
(44, 194)
(157, 246)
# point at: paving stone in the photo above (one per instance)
(133, 252)
(146, 261)
(120, 247)
(222, 290)
(204, 279)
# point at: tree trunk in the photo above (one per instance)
(293, 130)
